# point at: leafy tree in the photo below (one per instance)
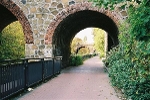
(139, 20)
(75, 43)
(99, 41)
(12, 43)
(112, 3)
(83, 51)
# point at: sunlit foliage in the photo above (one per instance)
(99, 41)
(12, 42)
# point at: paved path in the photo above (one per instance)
(86, 82)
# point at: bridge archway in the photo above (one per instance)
(10, 12)
(74, 19)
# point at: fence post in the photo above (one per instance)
(61, 63)
(43, 67)
(26, 73)
(60, 59)
(53, 65)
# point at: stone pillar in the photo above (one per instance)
(38, 51)
(40, 14)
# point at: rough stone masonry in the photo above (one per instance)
(40, 18)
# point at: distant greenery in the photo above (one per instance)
(12, 43)
(77, 42)
(99, 41)
(84, 51)
(76, 60)
(74, 44)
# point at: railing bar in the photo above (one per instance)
(53, 67)
(16, 77)
(26, 73)
(1, 81)
(43, 67)
(13, 78)
(19, 76)
(8, 79)
(4, 78)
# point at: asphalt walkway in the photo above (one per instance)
(85, 82)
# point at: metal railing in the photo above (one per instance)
(18, 75)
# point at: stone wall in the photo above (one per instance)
(40, 14)
(11, 12)
(76, 8)
(43, 16)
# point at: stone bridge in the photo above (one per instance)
(50, 25)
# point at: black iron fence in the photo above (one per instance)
(17, 75)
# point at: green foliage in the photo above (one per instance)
(112, 3)
(128, 66)
(83, 51)
(76, 60)
(74, 44)
(139, 18)
(12, 43)
(99, 41)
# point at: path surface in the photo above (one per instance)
(86, 82)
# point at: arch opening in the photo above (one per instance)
(10, 12)
(12, 42)
(79, 44)
(73, 23)
(6, 17)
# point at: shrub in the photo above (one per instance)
(129, 69)
(76, 60)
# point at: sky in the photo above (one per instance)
(86, 32)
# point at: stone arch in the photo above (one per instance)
(75, 18)
(10, 12)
